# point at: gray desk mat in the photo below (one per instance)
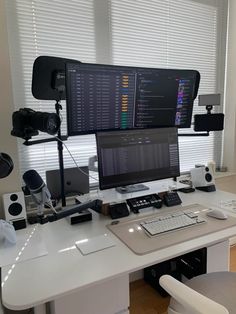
(130, 232)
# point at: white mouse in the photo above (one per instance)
(217, 213)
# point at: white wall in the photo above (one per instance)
(229, 155)
(8, 143)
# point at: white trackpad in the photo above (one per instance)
(95, 244)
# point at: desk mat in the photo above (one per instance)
(139, 242)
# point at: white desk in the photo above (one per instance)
(98, 283)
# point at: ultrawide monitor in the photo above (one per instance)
(107, 97)
(134, 156)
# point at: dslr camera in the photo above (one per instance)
(27, 122)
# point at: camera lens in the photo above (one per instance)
(45, 122)
(53, 123)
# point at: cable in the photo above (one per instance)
(61, 117)
(75, 160)
(50, 205)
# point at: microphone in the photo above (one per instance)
(38, 190)
(42, 196)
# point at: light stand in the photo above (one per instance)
(209, 108)
(48, 83)
(58, 107)
(60, 139)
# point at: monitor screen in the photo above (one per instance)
(133, 156)
(107, 97)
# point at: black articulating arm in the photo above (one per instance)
(70, 210)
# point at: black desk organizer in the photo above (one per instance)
(188, 265)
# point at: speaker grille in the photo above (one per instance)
(15, 209)
(13, 197)
(208, 177)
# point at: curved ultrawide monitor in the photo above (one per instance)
(135, 156)
(108, 97)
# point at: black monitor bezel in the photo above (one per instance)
(70, 132)
(140, 180)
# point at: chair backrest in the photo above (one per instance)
(187, 301)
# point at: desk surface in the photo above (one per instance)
(65, 270)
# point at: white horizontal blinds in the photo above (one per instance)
(139, 32)
(173, 34)
(154, 33)
(53, 28)
(192, 44)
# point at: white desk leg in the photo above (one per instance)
(40, 309)
(109, 297)
(218, 257)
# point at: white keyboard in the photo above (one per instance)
(171, 222)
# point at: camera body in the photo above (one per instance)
(26, 123)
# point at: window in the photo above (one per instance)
(187, 34)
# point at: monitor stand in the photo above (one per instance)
(132, 188)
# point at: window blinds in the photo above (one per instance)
(155, 33)
(175, 34)
(53, 28)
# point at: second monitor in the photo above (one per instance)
(129, 157)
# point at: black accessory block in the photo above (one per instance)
(118, 210)
(208, 188)
(76, 218)
(171, 199)
(186, 190)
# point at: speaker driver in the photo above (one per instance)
(208, 177)
(13, 197)
(15, 209)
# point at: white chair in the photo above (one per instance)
(213, 293)
(1, 308)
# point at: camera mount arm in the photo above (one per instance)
(46, 140)
(95, 205)
(77, 208)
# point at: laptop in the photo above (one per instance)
(76, 182)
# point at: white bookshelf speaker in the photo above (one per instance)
(14, 209)
(203, 179)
